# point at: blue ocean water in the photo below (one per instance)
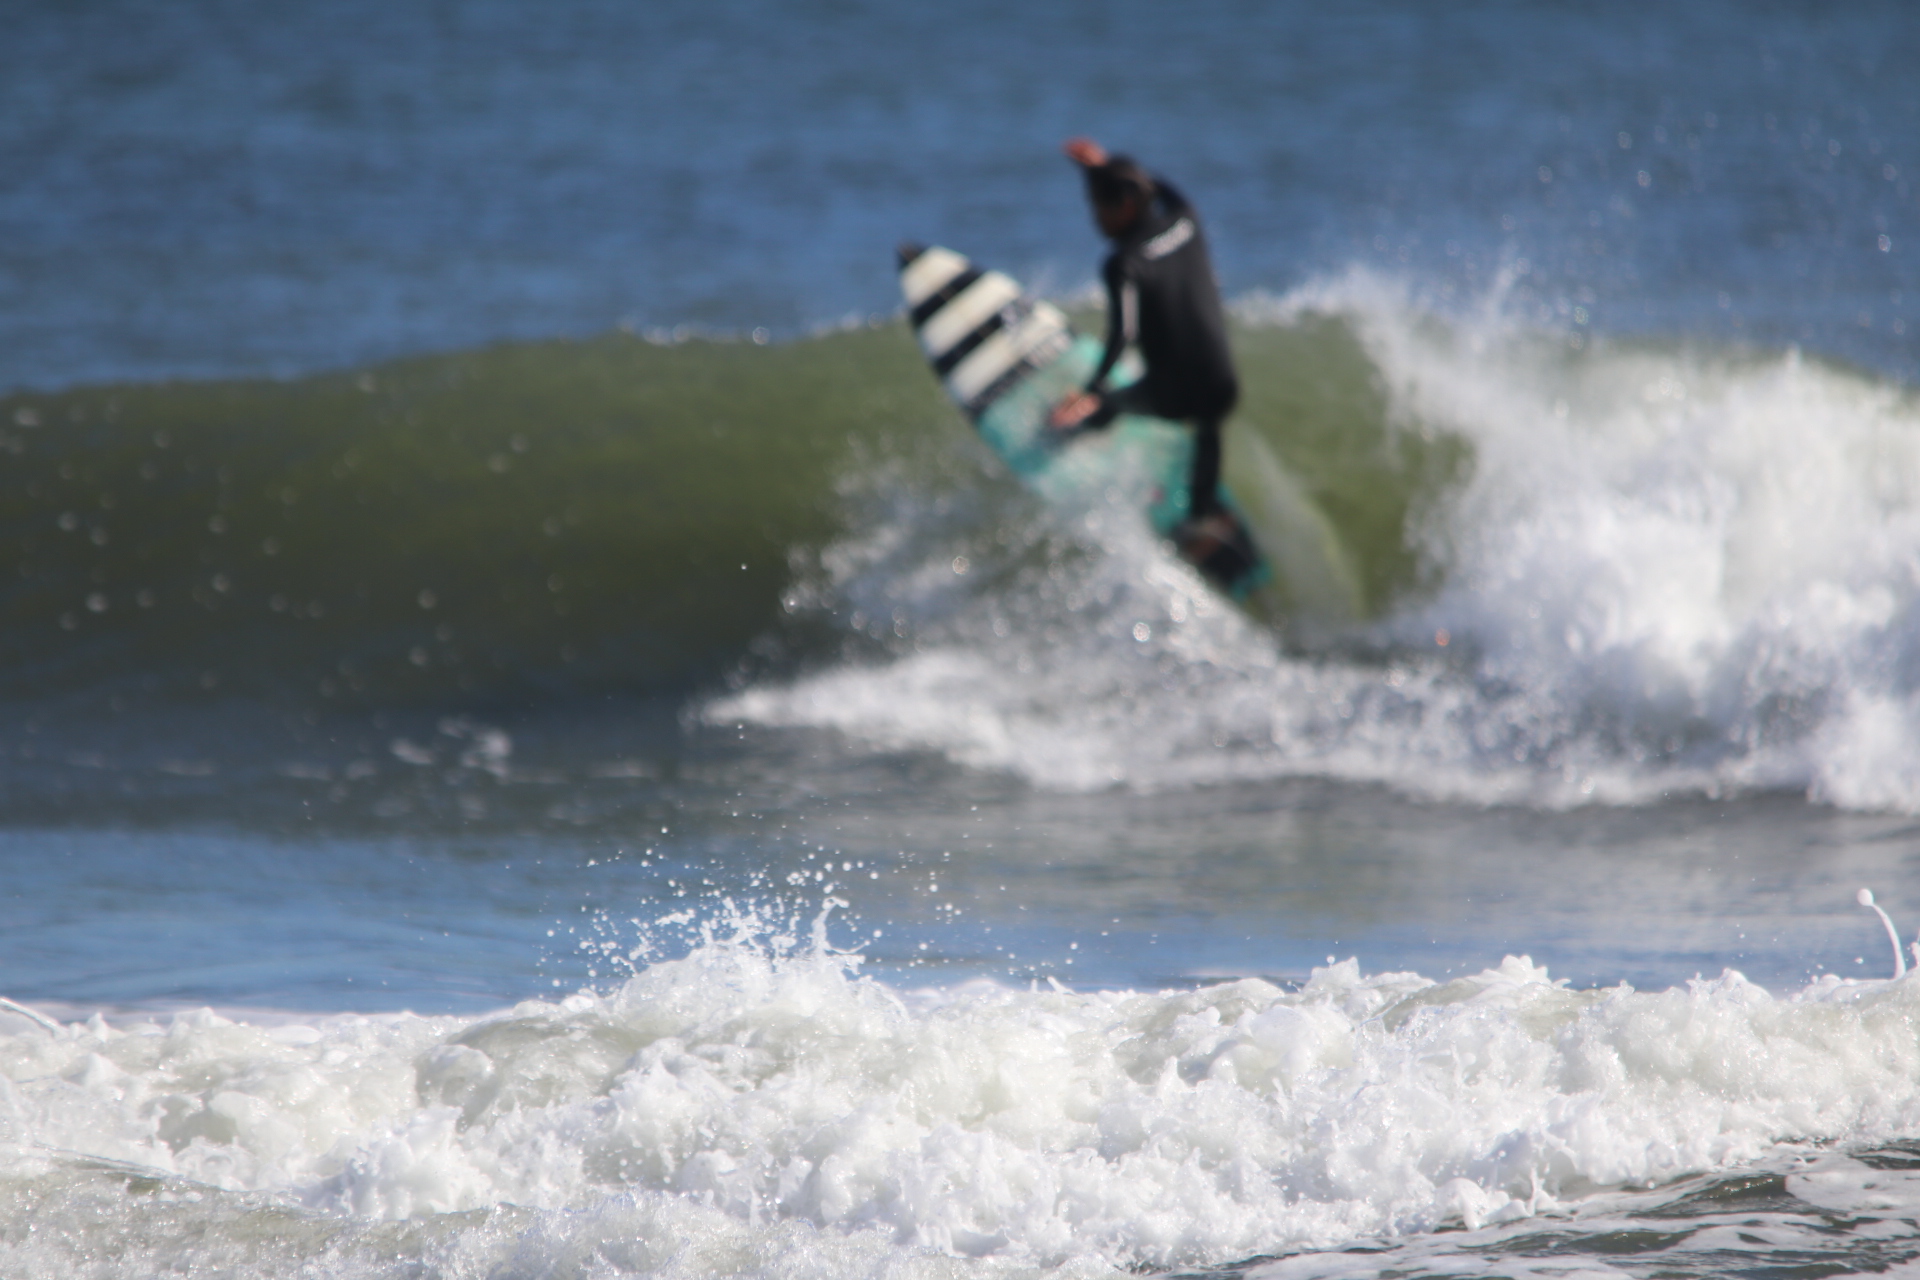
(532, 742)
(195, 189)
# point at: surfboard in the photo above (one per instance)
(1006, 359)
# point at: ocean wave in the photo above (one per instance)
(1619, 570)
(759, 1098)
(538, 521)
(533, 521)
(1579, 569)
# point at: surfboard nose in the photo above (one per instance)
(907, 251)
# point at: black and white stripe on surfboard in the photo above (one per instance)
(981, 336)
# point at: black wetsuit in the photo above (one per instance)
(1161, 293)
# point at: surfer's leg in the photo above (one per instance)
(1211, 538)
(1203, 487)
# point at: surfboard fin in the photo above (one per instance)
(907, 251)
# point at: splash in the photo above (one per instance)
(1654, 570)
(760, 1091)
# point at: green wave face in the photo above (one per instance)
(554, 518)
(1313, 395)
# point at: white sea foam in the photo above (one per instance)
(764, 1110)
(1670, 570)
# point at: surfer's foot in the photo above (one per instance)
(1198, 535)
(1217, 545)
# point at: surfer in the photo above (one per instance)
(1162, 295)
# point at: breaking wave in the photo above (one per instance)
(760, 1100)
(1623, 571)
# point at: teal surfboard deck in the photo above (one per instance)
(1007, 359)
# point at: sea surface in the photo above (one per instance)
(534, 743)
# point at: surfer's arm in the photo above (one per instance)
(1091, 407)
(1085, 409)
(1170, 198)
(1123, 321)
(1085, 152)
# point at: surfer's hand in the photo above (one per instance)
(1073, 410)
(1085, 152)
